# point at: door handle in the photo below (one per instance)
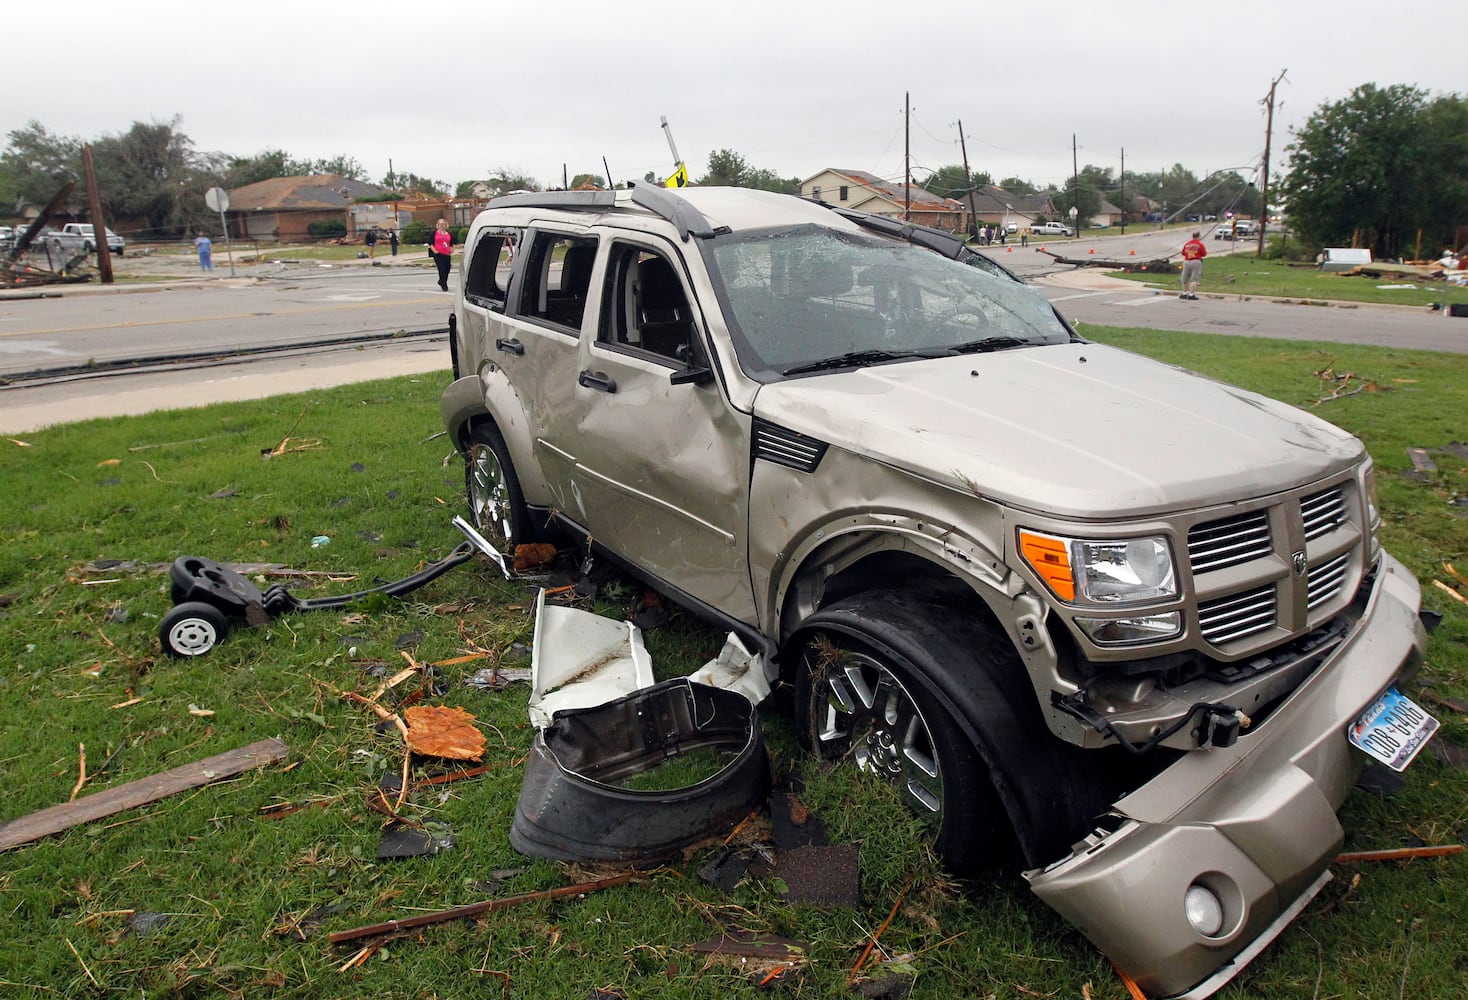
(600, 381)
(510, 346)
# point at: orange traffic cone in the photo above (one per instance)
(1132, 252)
(1009, 249)
(1092, 250)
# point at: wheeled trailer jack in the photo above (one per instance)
(208, 596)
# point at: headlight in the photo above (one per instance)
(1109, 571)
(1373, 513)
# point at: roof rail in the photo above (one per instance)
(659, 200)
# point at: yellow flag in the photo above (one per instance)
(679, 178)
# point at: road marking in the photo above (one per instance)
(216, 319)
(1146, 300)
(1079, 295)
(350, 298)
(36, 347)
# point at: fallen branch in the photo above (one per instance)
(1400, 854)
(81, 771)
(475, 909)
(1133, 990)
(866, 952)
(1450, 592)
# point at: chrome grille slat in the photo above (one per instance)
(1323, 512)
(1236, 540)
(1238, 615)
(1326, 579)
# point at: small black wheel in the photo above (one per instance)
(496, 504)
(863, 697)
(192, 629)
(176, 592)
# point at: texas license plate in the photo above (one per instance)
(1393, 729)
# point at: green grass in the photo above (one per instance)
(76, 644)
(1243, 274)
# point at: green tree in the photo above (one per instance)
(1018, 185)
(404, 181)
(728, 169)
(595, 180)
(263, 166)
(35, 165)
(152, 173)
(508, 179)
(951, 182)
(1377, 168)
(341, 164)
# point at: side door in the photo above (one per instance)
(662, 458)
(529, 342)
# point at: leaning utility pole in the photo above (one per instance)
(94, 212)
(1264, 177)
(1075, 194)
(968, 179)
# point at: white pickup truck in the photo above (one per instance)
(88, 234)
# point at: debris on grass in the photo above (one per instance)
(480, 908)
(876, 935)
(1400, 854)
(401, 840)
(55, 819)
(1338, 385)
(821, 876)
(440, 731)
(766, 958)
(533, 555)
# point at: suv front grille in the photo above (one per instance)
(1220, 544)
(1276, 569)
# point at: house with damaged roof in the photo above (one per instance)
(866, 192)
(283, 208)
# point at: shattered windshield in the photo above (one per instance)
(809, 299)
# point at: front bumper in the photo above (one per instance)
(1254, 823)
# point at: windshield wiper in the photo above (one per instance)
(989, 344)
(858, 359)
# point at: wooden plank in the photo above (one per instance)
(57, 818)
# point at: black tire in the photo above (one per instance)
(192, 629)
(177, 593)
(496, 504)
(864, 694)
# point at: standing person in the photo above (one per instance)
(392, 239)
(206, 250)
(371, 240)
(1024, 236)
(443, 250)
(1193, 253)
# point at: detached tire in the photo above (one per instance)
(496, 504)
(865, 695)
(192, 629)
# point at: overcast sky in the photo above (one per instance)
(456, 90)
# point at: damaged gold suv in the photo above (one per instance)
(1062, 596)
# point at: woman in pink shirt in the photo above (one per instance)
(443, 249)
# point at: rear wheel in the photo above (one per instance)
(864, 697)
(496, 505)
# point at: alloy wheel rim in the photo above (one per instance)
(489, 494)
(193, 636)
(860, 710)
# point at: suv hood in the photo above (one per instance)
(1083, 430)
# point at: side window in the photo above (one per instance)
(557, 278)
(646, 309)
(489, 269)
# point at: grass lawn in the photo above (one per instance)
(231, 889)
(1242, 274)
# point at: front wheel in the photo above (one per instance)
(192, 629)
(496, 504)
(863, 698)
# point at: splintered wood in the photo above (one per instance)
(440, 731)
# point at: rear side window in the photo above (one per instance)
(489, 269)
(557, 279)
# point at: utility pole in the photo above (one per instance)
(1075, 183)
(1264, 177)
(906, 155)
(94, 212)
(1122, 206)
(968, 179)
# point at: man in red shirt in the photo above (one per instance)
(1193, 253)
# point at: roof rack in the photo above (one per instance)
(661, 201)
